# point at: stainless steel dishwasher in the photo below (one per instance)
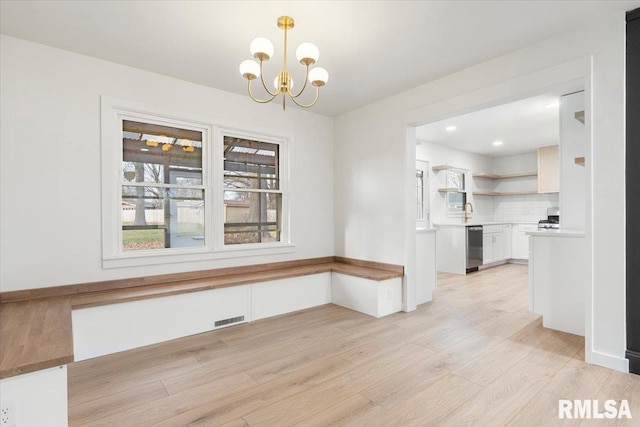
(474, 247)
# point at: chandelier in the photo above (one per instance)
(307, 54)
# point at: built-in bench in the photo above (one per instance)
(36, 324)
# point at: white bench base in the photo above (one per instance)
(111, 328)
(376, 299)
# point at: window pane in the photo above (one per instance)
(153, 153)
(158, 218)
(455, 179)
(251, 217)
(457, 201)
(420, 194)
(250, 164)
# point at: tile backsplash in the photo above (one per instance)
(524, 208)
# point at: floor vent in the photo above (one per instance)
(228, 321)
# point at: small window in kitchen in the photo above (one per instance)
(456, 196)
(457, 200)
(419, 194)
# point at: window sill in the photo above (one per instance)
(138, 259)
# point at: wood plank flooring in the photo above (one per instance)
(473, 356)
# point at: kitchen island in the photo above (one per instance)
(558, 278)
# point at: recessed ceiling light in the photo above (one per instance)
(450, 128)
(554, 104)
(496, 143)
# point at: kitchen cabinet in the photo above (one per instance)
(507, 231)
(451, 248)
(548, 169)
(520, 240)
(492, 244)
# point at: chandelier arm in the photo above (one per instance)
(261, 101)
(306, 78)
(307, 105)
(264, 85)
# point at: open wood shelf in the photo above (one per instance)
(579, 161)
(448, 167)
(506, 193)
(579, 115)
(450, 190)
(503, 176)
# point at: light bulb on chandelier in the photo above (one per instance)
(307, 54)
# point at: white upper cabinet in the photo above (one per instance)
(548, 169)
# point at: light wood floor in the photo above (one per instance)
(473, 356)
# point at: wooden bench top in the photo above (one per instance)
(94, 299)
(35, 335)
(35, 325)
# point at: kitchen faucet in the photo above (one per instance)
(466, 213)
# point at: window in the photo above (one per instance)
(456, 199)
(420, 194)
(162, 187)
(177, 189)
(252, 194)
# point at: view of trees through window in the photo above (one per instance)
(163, 191)
(252, 193)
(162, 187)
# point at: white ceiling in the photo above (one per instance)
(372, 49)
(522, 126)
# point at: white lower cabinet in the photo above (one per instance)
(520, 240)
(487, 247)
(492, 244)
(507, 231)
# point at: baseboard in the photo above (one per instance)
(634, 361)
(608, 361)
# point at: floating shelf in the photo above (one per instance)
(579, 161)
(579, 115)
(503, 176)
(507, 193)
(486, 193)
(447, 167)
(450, 190)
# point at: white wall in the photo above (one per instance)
(372, 154)
(440, 155)
(515, 208)
(573, 177)
(50, 223)
(527, 162)
(521, 208)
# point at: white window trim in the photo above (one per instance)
(113, 111)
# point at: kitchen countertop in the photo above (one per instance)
(426, 230)
(547, 232)
(470, 223)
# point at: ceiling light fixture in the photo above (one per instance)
(497, 143)
(307, 54)
(450, 128)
